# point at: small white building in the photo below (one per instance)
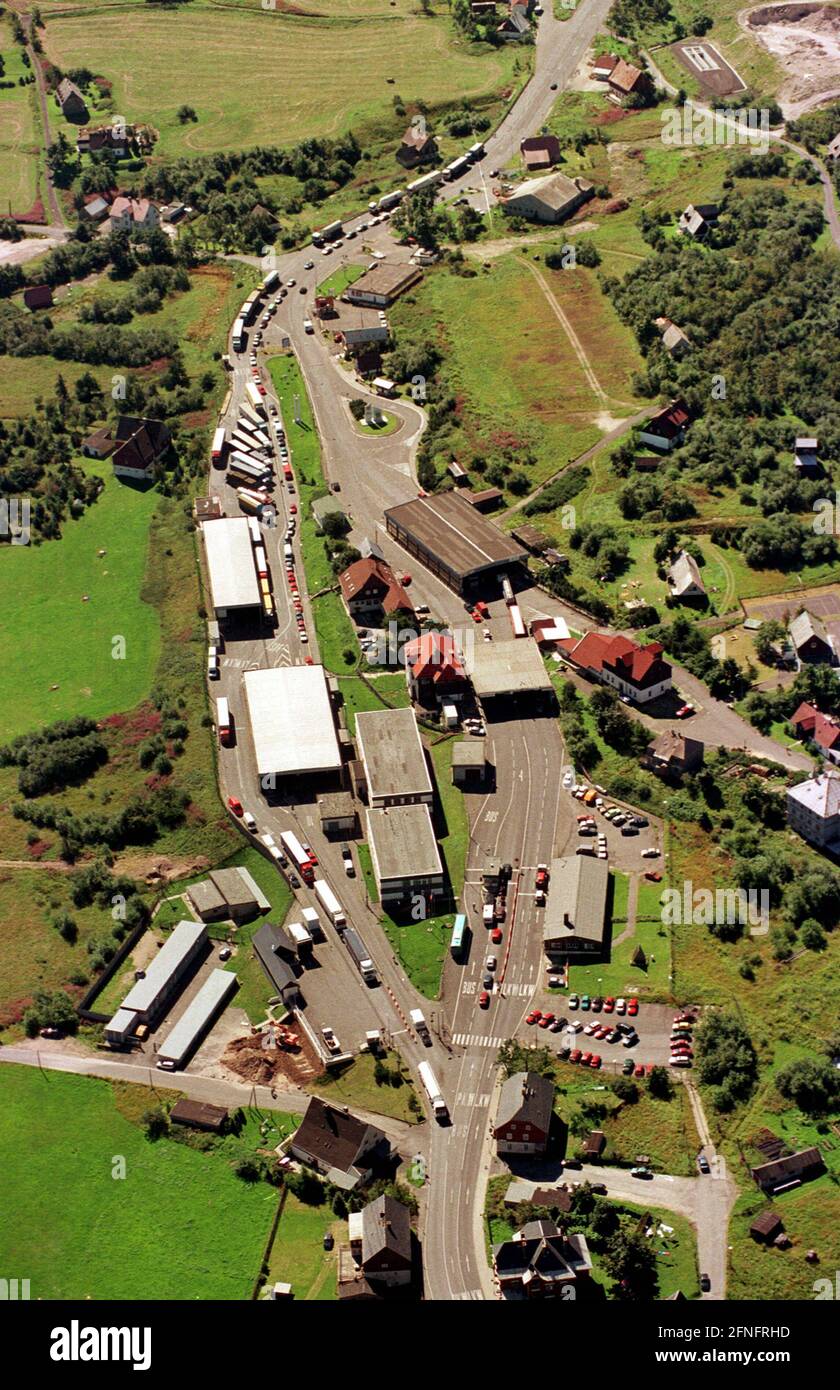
(813, 810)
(684, 579)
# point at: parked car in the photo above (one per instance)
(641, 1173)
(545, 1020)
(573, 1001)
(705, 1283)
(534, 1017)
(484, 999)
(330, 1039)
(703, 1163)
(574, 1055)
(235, 805)
(629, 1067)
(249, 822)
(584, 1001)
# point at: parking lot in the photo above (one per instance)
(652, 1022)
(625, 843)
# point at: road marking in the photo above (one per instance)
(471, 1101)
(475, 1040)
(468, 1294)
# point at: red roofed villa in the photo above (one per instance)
(434, 670)
(814, 727)
(370, 587)
(634, 671)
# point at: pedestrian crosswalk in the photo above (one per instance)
(475, 1040)
(472, 1100)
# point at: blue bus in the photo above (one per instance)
(458, 944)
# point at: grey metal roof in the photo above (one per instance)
(218, 987)
(528, 1097)
(230, 563)
(392, 752)
(506, 668)
(577, 900)
(144, 993)
(402, 842)
(291, 720)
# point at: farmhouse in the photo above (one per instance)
(38, 297)
(812, 726)
(575, 913)
(783, 1173)
(813, 810)
(382, 285)
(234, 586)
(810, 640)
(450, 539)
(418, 146)
(666, 429)
(626, 80)
(697, 219)
(515, 25)
(550, 199)
(380, 1243)
(604, 66)
(523, 1116)
(72, 103)
(112, 139)
(540, 151)
(404, 853)
(128, 214)
(634, 671)
(672, 754)
(370, 588)
(540, 1262)
(135, 445)
(684, 579)
(434, 670)
(291, 721)
(396, 771)
(337, 1144)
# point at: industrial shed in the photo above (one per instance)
(234, 585)
(197, 1017)
(404, 853)
(292, 721)
(453, 540)
(575, 915)
(505, 669)
(394, 759)
(148, 998)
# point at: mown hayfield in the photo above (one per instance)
(19, 132)
(87, 1234)
(257, 77)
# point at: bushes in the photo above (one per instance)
(50, 1010)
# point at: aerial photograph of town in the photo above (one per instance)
(420, 695)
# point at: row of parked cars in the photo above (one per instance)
(609, 1004)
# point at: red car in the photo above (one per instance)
(574, 1055)
(405, 580)
(633, 1007)
(546, 1019)
(476, 616)
(639, 1071)
(609, 1005)
(654, 875)
(310, 661)
(534, 1017)
(596, 1061)
(542, 878)
(684, 711)
(293, 508)
(235, 805)
(496, 936)
(484, 1000)
(586, 1059)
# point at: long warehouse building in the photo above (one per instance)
(197, 1017)
(147, 1000)
(452, 540)
(391, 751)
(234, 585)
(292, 722)
(404, 853)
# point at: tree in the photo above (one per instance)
(659, 1084)
(626, 1090)
(812, 1083)
(155, 1122)
(631, 1261)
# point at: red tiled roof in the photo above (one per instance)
(639, 666)
(626, 77)
(374, 573)
(823, 729)
(669, 421)
(433, 656)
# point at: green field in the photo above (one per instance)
(91, 1235)
(20, 132)
(298, 1256)
(339, 73)
(355, 1086)
(65, 605)
(338, 282)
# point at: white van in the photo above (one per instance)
(212, 663)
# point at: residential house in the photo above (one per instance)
(138, 445)
(516, 25)
(380, 1242)
(675, 342)
(637, 672)
(821, 729)
(418, 146)
(783, 1173)
(434, 669)
(673, 754)
(370, 589)
(112, 139)
(811, 642)
(813, 810)
(131, 214)
(696, 220)
(523, 1115)
(38, 297)
(345, 1149)
(805, 454)
(684, 579)
(552, 198)
(95, 208)
(666, 429)
(72, 103)
(540, 151)
(540, 1262)
(626, 80)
